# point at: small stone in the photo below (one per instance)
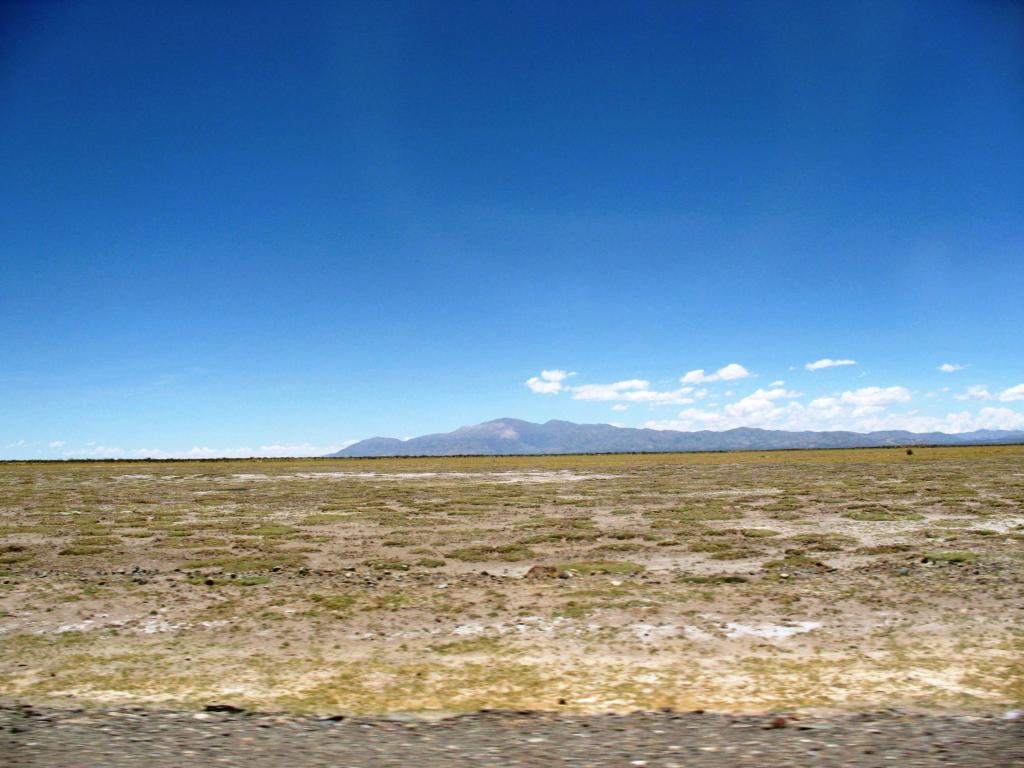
(231, 708)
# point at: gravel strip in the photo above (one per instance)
(159, 739)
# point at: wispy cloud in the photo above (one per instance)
(628, 391)
(828, 362)
(951, 367)
(975, 392)
(875, 396)
(56, 443)
(633, 391)
(730, 372)
(982, 392)
(95, 451)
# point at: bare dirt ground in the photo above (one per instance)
(811, 582)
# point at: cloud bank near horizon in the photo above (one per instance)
(711, 398)
(270, 451)
(857, 409)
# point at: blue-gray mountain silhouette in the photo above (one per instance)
(517, 437)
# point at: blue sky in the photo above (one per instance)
(277, 231)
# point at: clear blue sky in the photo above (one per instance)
(273, 228)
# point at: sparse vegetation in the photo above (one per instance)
(450, 587)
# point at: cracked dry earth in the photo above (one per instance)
(821, 584)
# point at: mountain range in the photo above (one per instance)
(517, 437)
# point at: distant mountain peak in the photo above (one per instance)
(509, 436)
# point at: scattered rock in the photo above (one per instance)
(542, 572)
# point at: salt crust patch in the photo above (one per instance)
(525, 626)
(770, 631)
(553, 476)
(144, 625)
(642, 631)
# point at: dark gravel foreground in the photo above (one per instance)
(156, 739)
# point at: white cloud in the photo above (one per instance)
(628, 391)
(729, 372)
(986, 418)
(760, 406)
(769, 395)
(300, 449)
(56, 443)
(1012, 394)
(951, 367)
(95, 451)
(976, 392)
(759, 409)
(272, 450)
(860, 410)
(614, 391)
(875, 396)
(691, 420)
(633, 391)
(825, 414)
(549, 382)
(827, 362)
(863, 409)
(205, 452)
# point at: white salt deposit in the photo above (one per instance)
(770, 631)
(554, 476)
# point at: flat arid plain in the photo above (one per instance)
(805, 582)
